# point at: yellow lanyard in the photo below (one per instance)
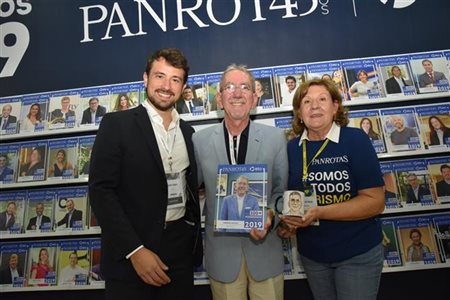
(305, 165)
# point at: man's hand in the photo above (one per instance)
(260, 234)
(149, 267)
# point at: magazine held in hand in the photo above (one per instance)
(241, 197)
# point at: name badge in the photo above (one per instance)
(176, 197)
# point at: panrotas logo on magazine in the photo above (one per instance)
(14, 36)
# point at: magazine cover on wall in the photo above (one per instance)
(32, 161)
(287, 80)
(124, 96)
(13, 257)
(84, 155)
(12, 210)
(369, 121)
(200, 274)
(430, 71)
(9, 159)
(246, 184)
(439, 170)
(362, 79)
(414, 183)
(92, 219)
(95, 273)
(33, 114)
(212, 87)
(194, 97)
(11, 109)
(435, 125)
(391, 195)
(73, 262)
(142, 92)
(442, 228)
(264, 88)
(401, 129)
(391, 247)
(64, 109)
(42, 264)
(40, 211)
(396, 76)
(447, 57)
(62, 159)
(71, 209)
(417, 240)
(329, 71)
(94, 105)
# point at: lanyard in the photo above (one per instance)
(168, 148)
(305, 165)
(233, 154)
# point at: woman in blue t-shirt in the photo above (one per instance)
(343, 255)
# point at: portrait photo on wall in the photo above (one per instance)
(264, 89)
(397, 80)
(417, 241)
(414, 186)
(401, 129)
(435, 125)
(73, 262)
(63, 110)
(430, 71)
(95, 274)
(9, 159)
(242, 206)
(62, 159)
(124, 97)
(85, 145)
(442, 226)
(41, 266)
(33, 116)
(391, 194)
(12, 210)
(94, 104)
(13, 261)
(439, 170)
(32, 161)
(329, 71)
(71, 209)
(287, 80)
(370, 123)
(212, 87)
(10, 114)
(40, 211)
(362, 79)
(391, 247)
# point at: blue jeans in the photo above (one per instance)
(355, 278)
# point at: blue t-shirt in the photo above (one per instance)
(337, 173)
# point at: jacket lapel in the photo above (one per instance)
(254, 144)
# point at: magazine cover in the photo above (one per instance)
(414, 183)
(396, 76)
(9, 119)
(39, 213)
(391, 248)
(33, 114)
(94, 104)
(194, 99)
(285, 123)
(329, 71)
(447, 57)
(71, 208)
(12, 209)
(287, 80)
(241, 197)
(93, 223)
(212, 87)
(74, 262)
(124, 96)
(430, 71)
(85, 145)
(12, 264)
(370, 122)
(435, 125)
(95, 274)
(64, 109)
(62, 159)
(391, 195)
(441, 224)
(32, 164)
(9, 159)
(417, 240)
(264, 88)
(401, 129)
(362, 79)
(439, 170)
(42, 263)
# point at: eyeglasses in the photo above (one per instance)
(231, 88)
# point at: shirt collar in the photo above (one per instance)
(332, 135)
(154, 115)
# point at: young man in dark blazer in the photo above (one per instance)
(143, 191)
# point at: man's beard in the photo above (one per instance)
(156, 104)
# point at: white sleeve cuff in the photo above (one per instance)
(135, 250)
